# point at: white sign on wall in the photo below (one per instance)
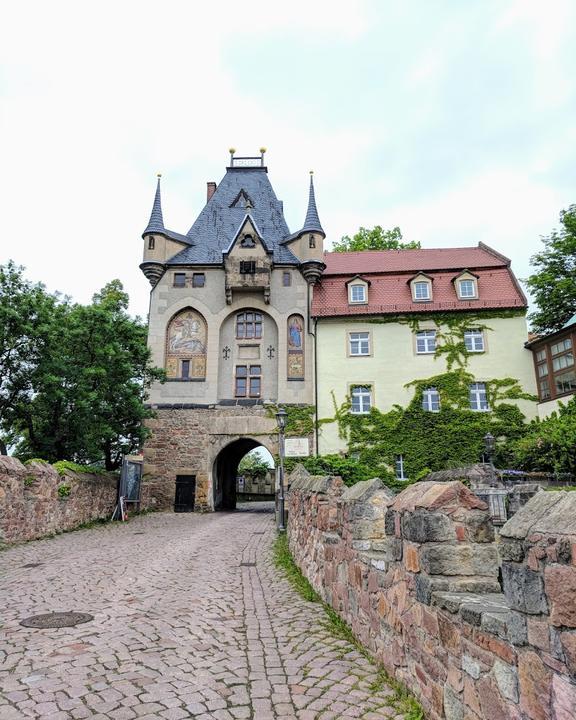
(296, 447)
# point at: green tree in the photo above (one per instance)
(375, 239)
(550, 444)
(89, 387)
(26, 314)
(253, 466)
(553, 285)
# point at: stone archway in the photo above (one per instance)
(225, 469)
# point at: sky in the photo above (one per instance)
(454, 120)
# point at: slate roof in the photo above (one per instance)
(312, 221)
(218, 222)
(156, 222)
(389, 271)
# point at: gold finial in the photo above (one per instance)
(311, 172)
(159, 175)
(262, 150)
(232, 151)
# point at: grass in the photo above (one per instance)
(402, 701)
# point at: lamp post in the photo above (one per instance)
(489, 447)
(281, 416)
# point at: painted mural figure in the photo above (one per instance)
(186, 333)
(295, 330)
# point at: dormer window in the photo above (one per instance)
(421, 288)
(466, 285)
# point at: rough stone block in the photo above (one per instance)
(560, 581)
(564, 698)
(453, 708)
(422, 526)
(461, 559)
(506, 677)
(491, 701)
(568, 644)
(434, 495)
(511, 550)
(411, 560)
(536, 509)
(535, 686)
(471, 666)
(524, 589)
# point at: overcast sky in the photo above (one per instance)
(454, 120)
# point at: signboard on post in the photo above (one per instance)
(297, 447)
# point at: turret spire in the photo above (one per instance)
(156, 222)
(312, 221)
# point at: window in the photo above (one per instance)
(474, 340)
(255, 380)
(240, 384)
(185, 369)
(312, 242)
(151, 242)
(542, 370)
(357, 293)
(561, 346)
(247, 242)
(421, 290)
(249, 325)
(565, 383)
(431, 400)
(544, 389)
(541, 355)
(425, 341)
(198, 280)
(478, 398)
(467, 288)
(359, 343)
(179, 279)
(247, 267)
(286, 278)
(399, 462)
(361, 399)
(562, 361)
(248, 381)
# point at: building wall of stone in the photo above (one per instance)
(30, 506)
(416, 578)
(393, 362)
(187, 441)
(166, 301)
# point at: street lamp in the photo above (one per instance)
(281, 417)
(489, 447)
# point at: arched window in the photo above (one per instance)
(249, 325)
(186, 346)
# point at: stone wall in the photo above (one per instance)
(417, 578)
(31, 507)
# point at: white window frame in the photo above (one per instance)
(465, 296)
(425, 342)
(431, 398)
(479, 397)
(399, 467)
(473, 335)
(361, 392)
(359, 344)
(357, 286)
(422, 284)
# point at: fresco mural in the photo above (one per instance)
(295, 347)
(186, 341)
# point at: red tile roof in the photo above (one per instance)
(390, 270)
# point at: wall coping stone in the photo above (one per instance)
(552, 513)
(365, 489)
(434, 496)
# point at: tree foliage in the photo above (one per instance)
(86, 369)
(253, 466)
(549, 445)
(553, 285)
(375, 239)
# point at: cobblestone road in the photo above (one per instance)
(191, 619)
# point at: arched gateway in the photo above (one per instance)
(229, 322)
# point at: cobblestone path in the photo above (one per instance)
(191, 619)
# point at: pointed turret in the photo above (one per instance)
(312, 221)
(156, 222)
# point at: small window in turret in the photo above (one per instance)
(151, 241)
(312, 242)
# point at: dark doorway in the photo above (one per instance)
(225, 471)
(185, 493)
